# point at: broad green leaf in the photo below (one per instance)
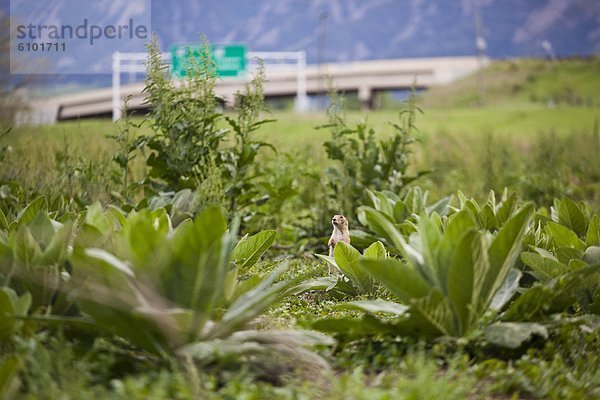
(138, 328)
(375, 250)
(173, 325)
(213, 262)
(7, 322)
(12, 305)
(503, 252)
(139, 239)
(543, 268)
(21, 304)
(512, 335)
(295, 337)
(376, 306)
(42, 229)
(505, 209)
(26, 249)
(384, 205)
(593, 233)
(507, 290)
(324, 283)
(566, 254)
(563, 236)
(440, 207)
(347, 258)
(536, 302)
(401, 279)
(230, 284)
(258, 347)
(555, 296)
(491, 200)
(111, 298)
(571, 216)
(116, 214)
(366, 326)
(251, 304)
(196, 261)
(430, 235)
(434, 312)
(31, 211)
(108, 262)
(488, 218)
(457, 226)
(89, 236)
(462, 199)
(3, 221)
(545, 253)
(249, 250)
(107, 279)
(58, 248)
(575, 264)
(460, 280)
(472, 206)
(381, 225)
(400, 212)
(95, 217)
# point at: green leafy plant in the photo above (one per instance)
(452, 274)
(402, 211)
(176, 291)
(184, 119)
(564, 259)
(354, 280)
(11, 306)
(190, 149)
(33, 256)
(364, 161)
(128, 149)
(239, 160)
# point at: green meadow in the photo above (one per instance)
(184, 255)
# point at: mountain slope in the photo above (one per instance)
(375, 29)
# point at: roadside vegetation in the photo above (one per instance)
(182, 255)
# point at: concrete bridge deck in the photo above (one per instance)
(363, 77)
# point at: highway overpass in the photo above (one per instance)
(362, 77)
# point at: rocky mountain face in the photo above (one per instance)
(342, 30)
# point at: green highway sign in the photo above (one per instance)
(230, 60)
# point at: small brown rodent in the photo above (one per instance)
(340, 232)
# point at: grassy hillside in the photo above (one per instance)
(572, 82)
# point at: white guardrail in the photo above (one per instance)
(134, 63)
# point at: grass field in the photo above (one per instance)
(445, 136)
(197, 269)
(290, 129)
(522, 98)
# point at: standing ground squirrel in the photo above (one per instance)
(340, 232)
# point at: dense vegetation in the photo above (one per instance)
(182, 256)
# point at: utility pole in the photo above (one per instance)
(480, 47)
(321, 84)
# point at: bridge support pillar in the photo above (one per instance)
(365, 96)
